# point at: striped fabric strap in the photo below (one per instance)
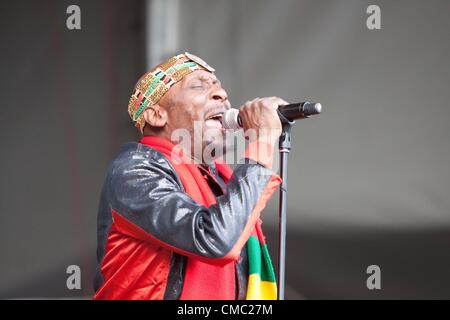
(261, 281)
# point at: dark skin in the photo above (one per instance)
(199, 98)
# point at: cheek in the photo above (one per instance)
(188, 108)
(195, 109)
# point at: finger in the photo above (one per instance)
(250, 102)
(280, 102)
(256, 100)
(283, 102)
(275, 102)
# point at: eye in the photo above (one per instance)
(197, 84)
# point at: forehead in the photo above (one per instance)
(200, 74)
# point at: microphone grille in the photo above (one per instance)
(318, 107)
(230, 119)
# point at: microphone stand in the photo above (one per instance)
(285, 148)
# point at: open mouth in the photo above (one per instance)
(215, 121)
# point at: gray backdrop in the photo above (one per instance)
(369, 179)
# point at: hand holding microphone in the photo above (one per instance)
(259, 119)
(286, 112)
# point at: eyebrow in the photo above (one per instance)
(205, 78)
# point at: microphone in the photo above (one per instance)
(287, 113)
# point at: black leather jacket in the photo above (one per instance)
(142, 187)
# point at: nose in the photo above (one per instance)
(219, 94)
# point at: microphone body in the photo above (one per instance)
(287, 113)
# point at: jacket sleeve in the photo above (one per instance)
(148, 202)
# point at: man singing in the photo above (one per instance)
(173, 224)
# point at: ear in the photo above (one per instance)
(155, 116)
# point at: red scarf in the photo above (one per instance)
(202, 280)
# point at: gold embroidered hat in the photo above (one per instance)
(156, 82)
